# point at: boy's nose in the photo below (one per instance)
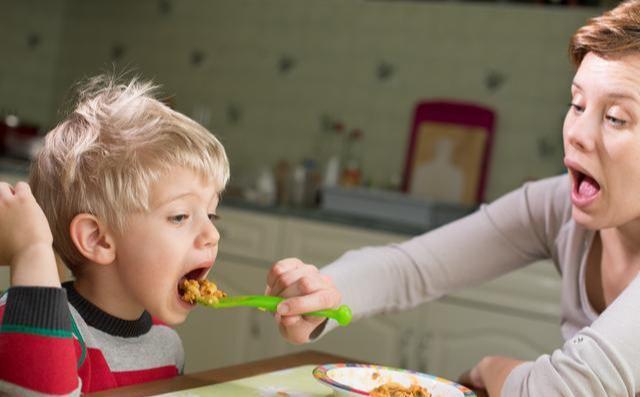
(208, 236)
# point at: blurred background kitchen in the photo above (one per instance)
(315, 102)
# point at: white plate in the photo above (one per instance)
(358, 379)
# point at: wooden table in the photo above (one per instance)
(225, 374)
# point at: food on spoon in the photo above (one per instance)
(393, 389)
(201, 291)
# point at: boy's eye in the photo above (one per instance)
(213, 217)
(178, 219)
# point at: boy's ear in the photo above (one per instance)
(93, 239)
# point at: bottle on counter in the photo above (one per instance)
(332, 154)
(283, 182)
(266, 187)
(352, 171)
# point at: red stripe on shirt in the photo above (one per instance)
(46, 364)
(145, 375)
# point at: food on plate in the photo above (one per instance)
(203, 291)
(393, 389)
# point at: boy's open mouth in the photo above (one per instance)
(195, 274)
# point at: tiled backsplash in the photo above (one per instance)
(261, 74)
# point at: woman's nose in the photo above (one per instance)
(581, 133)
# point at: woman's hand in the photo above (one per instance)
(489, 374)
(305, 290)
(25, 238)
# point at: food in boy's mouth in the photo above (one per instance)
(203, 291)
(393, 389)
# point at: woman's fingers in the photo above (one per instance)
(321, 299)
(286, 280)
(22, 189)
(296, 329)
(6, 191)
(281, 268)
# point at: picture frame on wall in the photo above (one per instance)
(448, 152)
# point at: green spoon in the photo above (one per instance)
(342, 314)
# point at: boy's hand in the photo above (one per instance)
(25, 238)
(306, 290)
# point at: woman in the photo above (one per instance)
(587, 222)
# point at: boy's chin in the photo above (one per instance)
(171, 318)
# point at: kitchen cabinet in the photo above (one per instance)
(515, 315)
(460, 335)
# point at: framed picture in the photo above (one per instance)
(448, 153)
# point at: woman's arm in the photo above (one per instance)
(507, 234)
(601, 360)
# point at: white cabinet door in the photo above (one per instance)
(458, 337)
(245, 234)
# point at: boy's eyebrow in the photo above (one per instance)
(181, 195)
(176, 197)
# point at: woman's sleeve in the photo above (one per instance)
(509, 233)
(599, 361)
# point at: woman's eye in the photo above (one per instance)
(576, 108)
(213, 217)
(616, 122)
(178, 219)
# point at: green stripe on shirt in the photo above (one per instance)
(59, 333)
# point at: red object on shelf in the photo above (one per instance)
(16, 139)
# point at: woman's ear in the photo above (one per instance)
(93, 239)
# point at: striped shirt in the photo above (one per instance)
(55, 342)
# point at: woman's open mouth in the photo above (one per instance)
(585, 188)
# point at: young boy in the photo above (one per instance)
(125, 191)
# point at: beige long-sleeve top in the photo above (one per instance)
(601, 353)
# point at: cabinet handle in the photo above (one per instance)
(254, 327)
(405, 347)
(424, 347)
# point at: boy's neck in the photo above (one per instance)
(99, 319)
(103, 289)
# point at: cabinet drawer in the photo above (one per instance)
(249, 235)
(458, 337)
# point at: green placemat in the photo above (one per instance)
(292, 382)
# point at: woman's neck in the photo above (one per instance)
(624, 240)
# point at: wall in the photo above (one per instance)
(263, 74)
(30, 32)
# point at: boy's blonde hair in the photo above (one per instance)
(104, 157)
